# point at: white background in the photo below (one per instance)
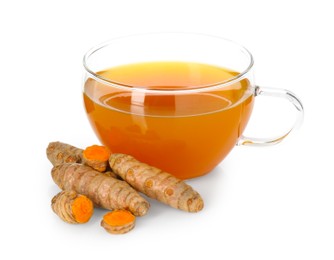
(260, 203)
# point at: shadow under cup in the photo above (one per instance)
(179, 102)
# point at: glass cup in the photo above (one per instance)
(176, 101)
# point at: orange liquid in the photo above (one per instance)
(184, 134)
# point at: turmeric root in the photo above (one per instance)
(105, 192)
(72, 208)
(59, 153)
(96, 156)
(155, 183)
(118, 221)
(111, 174)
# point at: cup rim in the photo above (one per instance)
(208, 87)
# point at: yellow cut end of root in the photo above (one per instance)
(118, 221)
(118, 217)
(82, 209)
(96, 152)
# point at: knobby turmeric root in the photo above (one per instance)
(96, 156)
(72, 207)
(118, 221)
(156, 183)
(59, 153)
(105, 192)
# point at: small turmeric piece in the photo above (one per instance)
(156, 183)
(72, 207)
(118, 221)
(96, 156)
(59, 153)
(105, 192)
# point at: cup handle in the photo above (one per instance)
(278, 93)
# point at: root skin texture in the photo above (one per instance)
(156, 183)
(104, 191)
(72, 207)
(59, 153)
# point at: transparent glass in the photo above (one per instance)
(177, 101)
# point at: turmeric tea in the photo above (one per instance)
(72, 207)
(104, 191)
(156, 183)
(118, 221)
(164, 124)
